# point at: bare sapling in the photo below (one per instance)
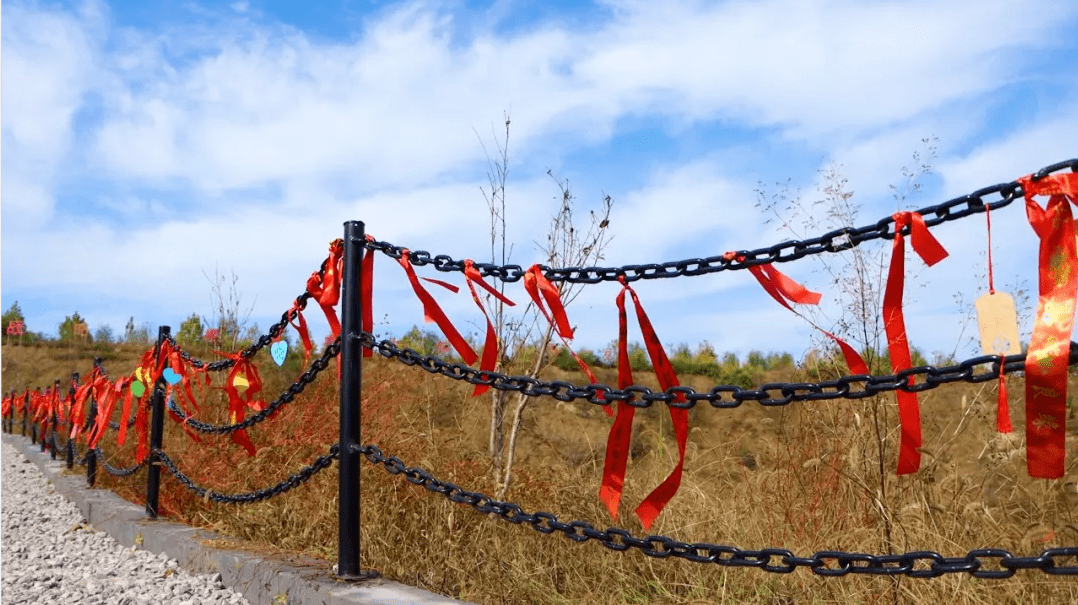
(525, 337)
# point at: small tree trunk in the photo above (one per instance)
(518, 413)
(497, 433)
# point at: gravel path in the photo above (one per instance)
(49, 555)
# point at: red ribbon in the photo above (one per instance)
(490, 345)
(432, 313)
(104, 410)
(326, 287)
(785, 290)
(236, 402)
(1049, 346)
(536, 283)
(543, 293)
(366, 293)
(619, 440)
(614, 467)
(931, 252)
(300, 324)
(145, 364)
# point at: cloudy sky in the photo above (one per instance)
(146, 145)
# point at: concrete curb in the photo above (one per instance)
(262, 579)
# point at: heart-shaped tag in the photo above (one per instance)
(141, 374)
(278, 350)
(138, 388)
(240, 382)
(171, 376)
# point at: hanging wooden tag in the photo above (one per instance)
(998, 321)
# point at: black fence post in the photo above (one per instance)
(70, 413)
(351, 394)
(157, 429)
(91, 459)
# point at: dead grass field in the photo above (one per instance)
(804, 477)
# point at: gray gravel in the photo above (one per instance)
(49, 555)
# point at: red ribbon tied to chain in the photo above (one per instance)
(326, 287)
(785, 291)
(242, 367)
(545, 294)
(432, 313)
(931, 252)
(1049, 346)
(366, 292)
(145, 363)
(535, 283)
(490, 346)
(104, 412)
(618, 441)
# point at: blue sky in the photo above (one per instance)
(146, 144)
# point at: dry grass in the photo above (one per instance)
(802, 477)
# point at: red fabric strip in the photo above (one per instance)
(326, 288)
(654, 503)
(535, 283)
(1047, 358)
(300, 324)
(544, 294)
(490, 346)
(366, 293)
(236, 402)
(1003, 414)
(434, 314)
(930, 250)
(146, 363)
(619, 440)
(783, 289)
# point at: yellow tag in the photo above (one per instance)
(142, 375)
(998, 321)
(240, 382)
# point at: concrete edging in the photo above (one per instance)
(261, 579)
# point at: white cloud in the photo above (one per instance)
(251, 143)
(48, 66)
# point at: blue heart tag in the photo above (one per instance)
(278, 350)
(171, 376)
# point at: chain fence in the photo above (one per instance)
(332, 350)
(917, 564)
(916, 379)
(986, 563)
(294, 480)
(791, 250)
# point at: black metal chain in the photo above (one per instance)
(332, 350)
(293, 480)
(921, 378)
(834, 241)
(917, 564)
(263, 341)
(113, 470)
(130, 423)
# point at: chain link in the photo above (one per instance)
(113, 470)
(263, 341)
(834, 241)
(981, 563)
(130, 423)
(293, 480)
(332, 350)
(921, 378)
